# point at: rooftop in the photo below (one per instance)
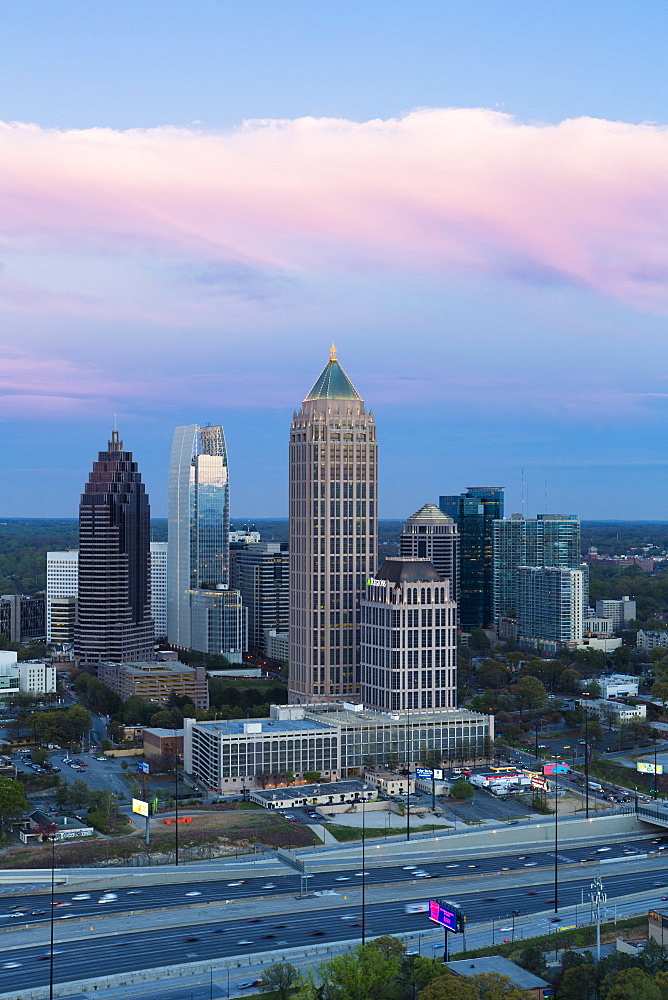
(496, 963)
(430, 512)
(402, 569)
(333, 382)
(310, 791)
(235, 727)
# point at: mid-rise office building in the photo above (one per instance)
(431, 534)
(549, 605)
(260, 574)
(333, 536)
(22, 618)
(409, 646)
(619, 613)
(474, 513)
(335, 739)
(219, 623)
(114, 591)
(34, 677)
(547, 540)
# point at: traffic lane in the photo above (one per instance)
(90, 956)
(36, 907)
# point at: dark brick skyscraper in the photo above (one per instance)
(114, 605)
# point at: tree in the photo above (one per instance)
(594, 730)
(62, 795)
(485, 986)
(368, 973)
(478, 640)
(281, 978)
(569, 680)
(660, 691)
(13, 802)
(531, 692)
(312, 777)
(79, 793)
(594, 689)
(578, 983)
(162, 720)
(462, 789)
(79, 720)
(630, 984)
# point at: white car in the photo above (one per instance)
(81, 895)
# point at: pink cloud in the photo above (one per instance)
(438, 191)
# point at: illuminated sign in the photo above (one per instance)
(646, 768)
(143, 766)
(427, 772)
(538, 782)
(555, 768)
(447, 914)
(371, 582)
(140, 807)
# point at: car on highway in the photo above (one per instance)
(244, 941)
(247, 983)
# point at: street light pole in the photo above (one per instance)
(586, 764)
(176, 802)
(53, 883)
(363, 871)
(556, 839)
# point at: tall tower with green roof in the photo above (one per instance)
(333, 536)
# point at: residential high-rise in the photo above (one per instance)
(474, 513)
(114, 592)
(431, 534)
(260, 573)
(409, 644)
(333, 536)
(549, 540)
(22, 617)
(198, 560)
(549, 606)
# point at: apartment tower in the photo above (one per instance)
(113, 619)
(333, 536)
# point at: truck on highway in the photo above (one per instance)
(595, 786)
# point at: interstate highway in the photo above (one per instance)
(147, 897)
(83, 956)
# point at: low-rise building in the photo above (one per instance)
(527, 982)
(615, 711)
(162, 741)
(156, 681)
(652, 639)
(334, 739)
(500, 780)
(615, 686)
(390, 782)
(327, 794)
(68, 827)
(34, 677)
(618, 612)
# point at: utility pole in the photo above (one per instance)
(598, 897)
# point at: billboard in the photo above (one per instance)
(140, 807)
(538, 782)
(447, 914)
(143, 766)
(555, 768)
(428, 772)
(646, 768)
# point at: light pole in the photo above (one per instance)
(176, 802)
(516, 913)
(363, 871)
(556, 838)
(586, 761)
(53, 830)
(598, 897)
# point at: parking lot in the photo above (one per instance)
(98, 774)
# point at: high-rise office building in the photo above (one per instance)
(549, 605)
(431, 534)
(22, 617)
(62, 586)
(333, 536)
(260, 573)
(409, 644)
(474, 513)
(114, 592)
(198, 558)
(159, 587)
(547, 540)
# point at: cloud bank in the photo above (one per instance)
(439, 191)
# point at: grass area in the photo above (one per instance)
(620, 775)
(345, 833)
(578, 937)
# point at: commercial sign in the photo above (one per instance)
(428, 772)
(646, 768)
(538, 782)
(447, 914)
(371, 582)
(142, 765)
(140, 807)
(555, 768)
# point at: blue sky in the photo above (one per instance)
(196, 198)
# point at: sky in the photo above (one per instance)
(469, 198)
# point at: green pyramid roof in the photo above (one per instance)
(333, 383)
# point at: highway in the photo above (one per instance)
(201, 940)
(92, 902)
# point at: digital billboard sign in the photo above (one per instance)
(444, 913)
(555, 768)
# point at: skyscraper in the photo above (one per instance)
(549, 540)
(198, 555)
(431, 534)
(549, 606)
(260, 573)
(333, 536)
(114, 592)
(474, 513)
(409, 646)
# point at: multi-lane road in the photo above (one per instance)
(489, 887)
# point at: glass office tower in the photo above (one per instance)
(474, 513)
(113, 619)
(199, 523)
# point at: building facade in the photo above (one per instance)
(336, 740)
(652, 639)
(409, 645)
(156, 681)
(547, 540)
(260, 573)
(333, 536)
(34, 677)
(474, 513)
(114, 591)
(22, 617)
(159, 587)
(62, 585)
(549, 605)
(431, 534)
(619, 613)
(219, 623)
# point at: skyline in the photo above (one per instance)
(483, 236)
